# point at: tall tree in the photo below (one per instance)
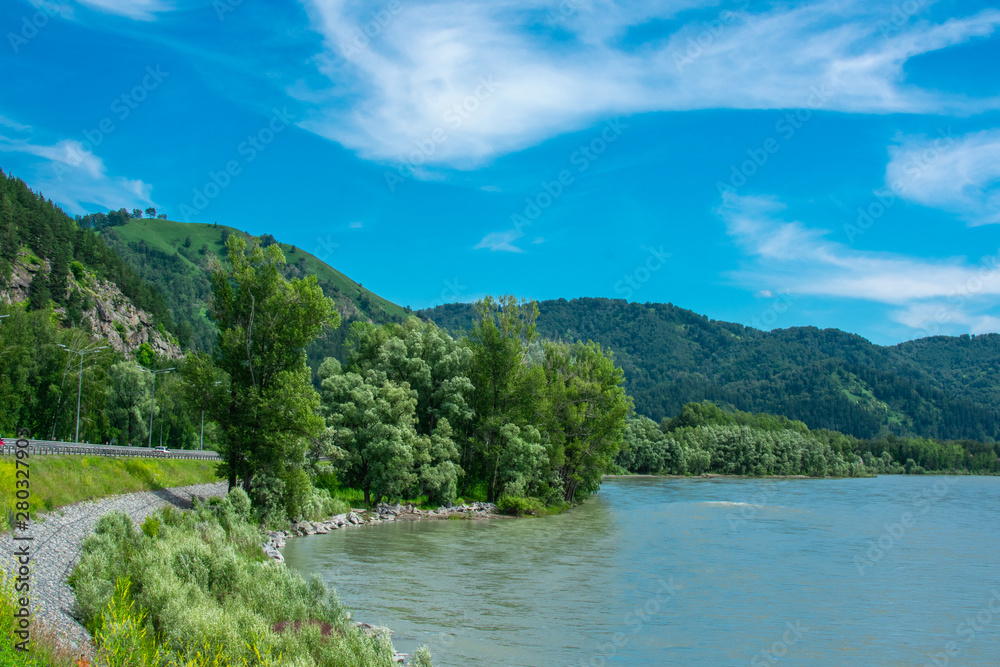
(128, 403)
(371, 427)
(265, 322)
(503, 399)
(584, 414)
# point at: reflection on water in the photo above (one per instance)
(704, 571)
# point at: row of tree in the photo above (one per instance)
(413, 411)
(703, 438)
(40, 381)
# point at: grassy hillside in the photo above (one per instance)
(941, 388)
(174, 256)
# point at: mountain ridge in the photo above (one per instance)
(827, 378)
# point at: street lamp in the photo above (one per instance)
(152, 399)
(201, 441)
(79, 384)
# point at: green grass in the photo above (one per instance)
(63, 480)
(168, 236)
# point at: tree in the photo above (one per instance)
(371, 429)
(265, 322)
(504, 392)
(584, 414)
(431, 362)
(128, 403)
(202, 383)
(137, 213)
(162, 216)
(151, 212)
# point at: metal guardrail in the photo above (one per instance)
(55, 447)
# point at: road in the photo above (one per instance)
(41, 447)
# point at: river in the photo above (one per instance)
(896, 570)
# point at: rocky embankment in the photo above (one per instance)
(381, 514)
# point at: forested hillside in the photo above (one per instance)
(940, 387)
(176, 257)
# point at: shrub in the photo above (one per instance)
(519, 506)
(151, 527)
(204, 594)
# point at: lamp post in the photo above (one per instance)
(201, 441)
(152, 399)
(79, 384)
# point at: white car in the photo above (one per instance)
(161, 450)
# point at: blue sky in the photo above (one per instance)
(831, 163)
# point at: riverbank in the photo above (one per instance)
(383, 513)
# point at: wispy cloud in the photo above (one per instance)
(791, 258)
(501, 241)
(961, 177)
(69, 174)
(13, 124)
(139, 10)
(423, 60)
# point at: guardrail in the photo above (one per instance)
(64, 448)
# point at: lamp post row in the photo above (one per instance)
(152, 399)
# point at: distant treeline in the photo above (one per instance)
(703, 438)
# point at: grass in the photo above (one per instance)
(63, 480)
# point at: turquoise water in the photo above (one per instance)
(897, 570)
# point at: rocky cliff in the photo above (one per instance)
(107, 313)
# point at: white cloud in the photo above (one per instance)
(13, 124)
(958, 175)
(503, 241)
(394, 76)
(357, 225)
(928, 295)
(139, 10)
(73, 177)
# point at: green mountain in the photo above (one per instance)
(940, 387)
(174, 256)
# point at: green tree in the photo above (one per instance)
(584, 414)
(128, 403)
(265, 322)
(503, 397)
(371, 427)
